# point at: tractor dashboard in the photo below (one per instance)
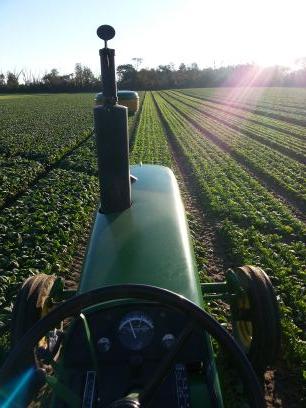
(114, 351)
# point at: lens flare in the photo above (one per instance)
(13, 393)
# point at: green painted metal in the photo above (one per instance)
(217, 290)
(233, 283)
(216, 287)
(231, 286)
(148, 243)
(89, 342)
(63, 392)
(227, 291)
(199, 392)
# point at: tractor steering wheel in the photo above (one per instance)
(197, 317)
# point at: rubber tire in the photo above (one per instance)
(28, 307)
(27, 310)
(264, 318)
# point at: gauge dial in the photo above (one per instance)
(135, 330)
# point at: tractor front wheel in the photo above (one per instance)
(30, 304)
(255, 317)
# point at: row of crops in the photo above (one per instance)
(230, 148)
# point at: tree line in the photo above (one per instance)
(162, 77)
(82, 79)
(167, 77)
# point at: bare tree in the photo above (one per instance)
(26, 76)
(138, 62)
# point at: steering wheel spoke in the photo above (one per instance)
(163, 369)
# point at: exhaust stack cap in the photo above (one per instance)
(106, 32)
(107, 60)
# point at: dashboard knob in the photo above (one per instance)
(168, 341)
(104, 344)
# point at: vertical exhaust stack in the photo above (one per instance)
(111, 129)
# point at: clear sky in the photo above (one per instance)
(38, 35)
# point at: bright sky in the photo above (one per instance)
(38, 35)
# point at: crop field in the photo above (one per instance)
(239, 157)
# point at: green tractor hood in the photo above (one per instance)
(148, 243)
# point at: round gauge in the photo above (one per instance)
(135, 330)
